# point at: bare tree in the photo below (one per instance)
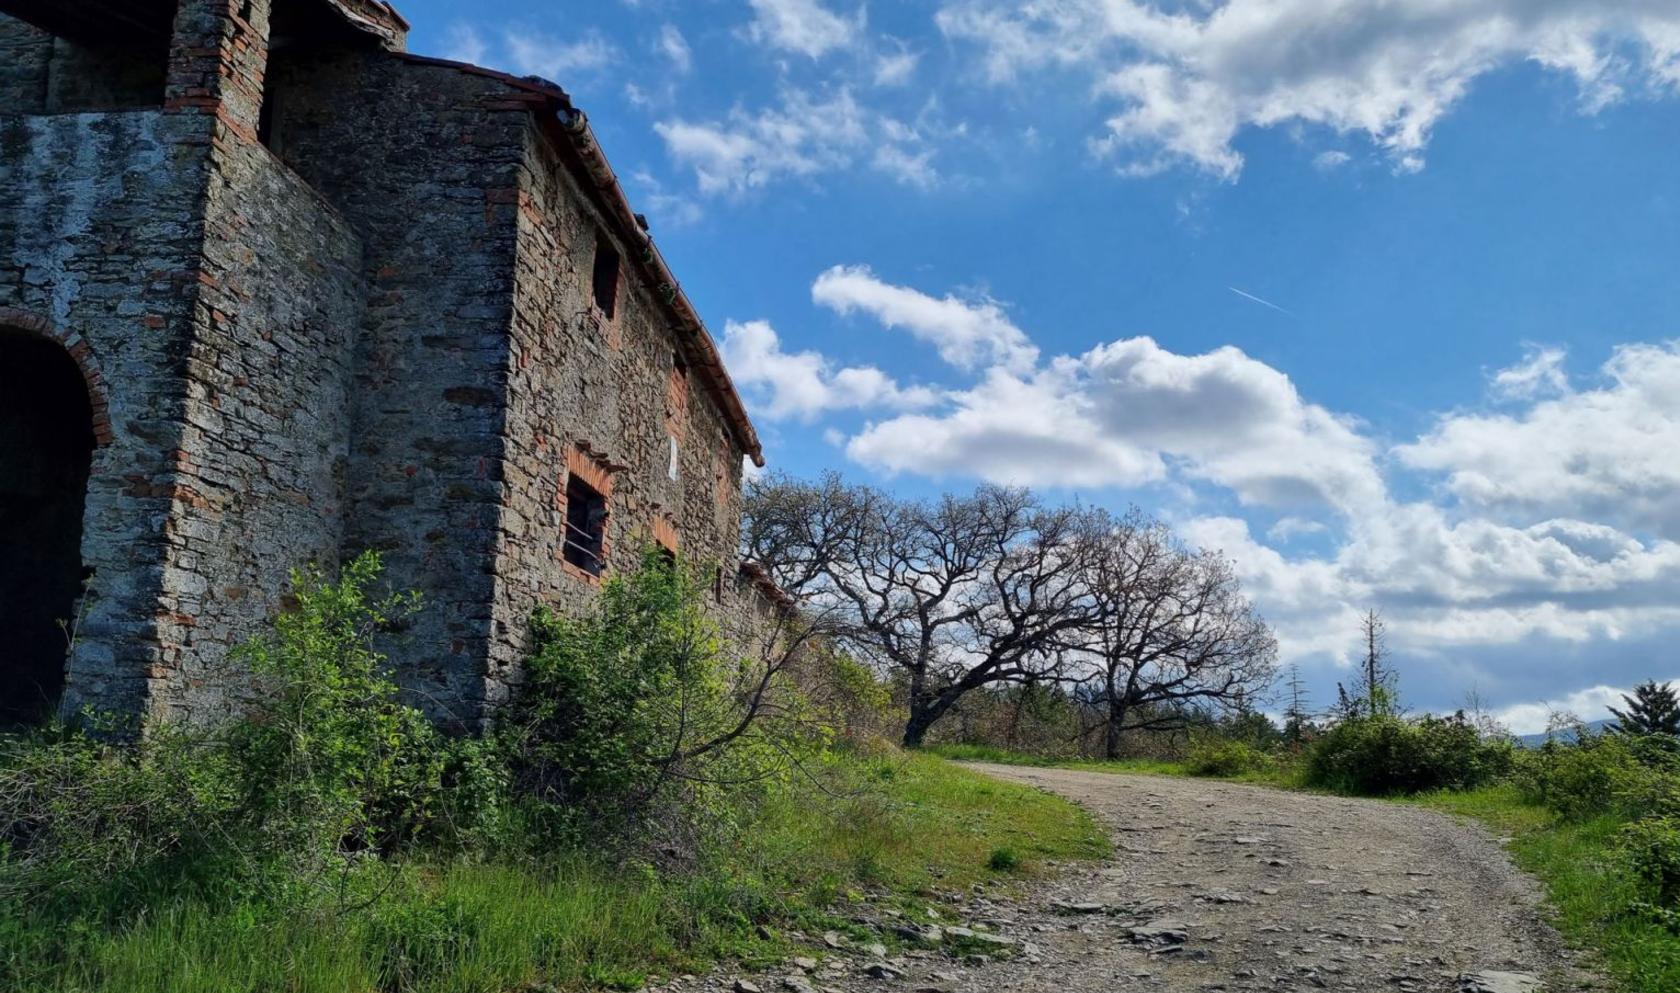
(1297, 720)
(954, 593)
(1376, 684)
(1169, 628)
(1480, 715)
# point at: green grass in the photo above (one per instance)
(918, 825)
(1588, 888)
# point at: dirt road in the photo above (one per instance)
(1218, 887)
(1245, 888)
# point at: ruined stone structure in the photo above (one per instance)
(273, 291)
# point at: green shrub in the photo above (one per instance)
(1386, 754)
(1651, 847)
(1223, 757)
(1624, 775)
(638, 711)
(329, 758)
(80, 816)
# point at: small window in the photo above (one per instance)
(605, 280)
(717, 584)
(586, 525)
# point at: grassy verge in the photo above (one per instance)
(911, 825)
(1588, 889)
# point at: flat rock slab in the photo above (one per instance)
(1494, 981)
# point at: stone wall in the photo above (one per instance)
(264, 453)
(423, 164)
(101, 218)
(615, 387)
(25, 53)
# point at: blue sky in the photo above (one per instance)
(1377, 298)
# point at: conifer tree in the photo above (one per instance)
(1654, 708)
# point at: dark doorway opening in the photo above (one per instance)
(46, 444)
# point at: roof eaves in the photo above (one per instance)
(375, 17)
(760, 579)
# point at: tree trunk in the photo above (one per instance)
(924, 711)
(1116, 720)
(916, 728)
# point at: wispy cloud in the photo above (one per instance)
(803, 26)
(546, 56)
(804, 136)
(675, 48)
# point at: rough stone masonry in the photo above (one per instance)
(274, 291)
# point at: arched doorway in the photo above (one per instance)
(46, 445)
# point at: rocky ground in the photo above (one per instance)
(1214, 886)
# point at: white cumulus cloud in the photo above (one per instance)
(1607, 453)
(967, 333)
(1186, 78)
(804, 384)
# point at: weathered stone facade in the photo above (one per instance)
(328, 296)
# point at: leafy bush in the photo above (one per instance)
(329, 758)
(1652, 849)
(638, 710)
(1386, 754)
(1223, 757)
(1628, 776)
(80, 815)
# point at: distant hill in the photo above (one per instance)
(1539, 738)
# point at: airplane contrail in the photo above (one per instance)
(1264, 303)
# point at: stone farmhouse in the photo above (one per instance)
(274, 291)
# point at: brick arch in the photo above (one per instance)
(81, 353)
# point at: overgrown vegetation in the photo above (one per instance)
(330, 839)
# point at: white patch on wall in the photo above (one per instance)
(675, 461)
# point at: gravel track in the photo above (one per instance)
(1278, 890)
(1220, 887)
